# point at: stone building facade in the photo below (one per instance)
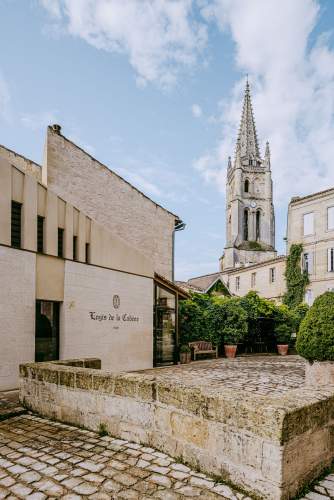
(72, 286)
(311, 223)
(107, 198)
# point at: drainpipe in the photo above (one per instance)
(179, 226)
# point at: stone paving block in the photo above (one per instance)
(85, 488)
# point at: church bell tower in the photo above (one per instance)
(250, 220)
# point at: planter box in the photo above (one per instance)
(319, 373)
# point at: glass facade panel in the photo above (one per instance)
(164, 326)
(47, 331)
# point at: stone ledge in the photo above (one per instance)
(270, 445)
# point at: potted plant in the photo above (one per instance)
(234, 327)
(283, 336)
(185, 354)
(315, 341)
(231, 338)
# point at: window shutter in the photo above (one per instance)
(310, 265)
(330, 218)
(308, 224)
(329, 264)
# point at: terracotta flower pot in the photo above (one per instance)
(185, 357)
(283, 349)
(230, 350)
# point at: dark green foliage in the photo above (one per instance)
(315, 339)
(219, 289)
(185, 348)
(191, 318)
(283, 333)
(226, 321)
(300, 312)
(102, 431)
(296, 279)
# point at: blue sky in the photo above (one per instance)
(153, 89)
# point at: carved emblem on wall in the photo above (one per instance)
(116, 301)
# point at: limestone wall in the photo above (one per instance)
(107, 198)
(94, 324)
(21, 162)
(263, 284)
(17, 313)
(268, 446)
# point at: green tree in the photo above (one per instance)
(315, 339)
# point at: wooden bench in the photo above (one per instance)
(202, 347)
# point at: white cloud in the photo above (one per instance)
(160, 37)
(196, 110)
(292, 83)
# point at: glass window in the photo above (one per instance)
(237, 283)
(16, 224)
(272, 274)
(47, 331)
(330, 260)
(308, 262)
(330, 218)
(246, 186)
(253, 280)
(308, 223)
(164, 326)
(40, 234)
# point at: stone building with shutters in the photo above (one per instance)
(86, 265)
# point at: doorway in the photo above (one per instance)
(47, 331)
(164, 326)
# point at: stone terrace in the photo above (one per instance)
(263, 375)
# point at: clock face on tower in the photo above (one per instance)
(253, 204)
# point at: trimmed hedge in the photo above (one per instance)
(315, 339)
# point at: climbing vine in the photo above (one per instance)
(296, 278)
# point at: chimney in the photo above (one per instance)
(56, 128)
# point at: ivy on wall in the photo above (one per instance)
(296, 278)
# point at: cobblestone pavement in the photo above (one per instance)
(9, 404)
(264, 375)
(41, 459)
(323, 490)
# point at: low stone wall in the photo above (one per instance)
(269, 446)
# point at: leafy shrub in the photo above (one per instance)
(185, 348)
(226, 321)
(300, 312)
(191, 320)
(283, 333)
(315, 339)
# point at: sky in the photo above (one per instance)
(154, 88)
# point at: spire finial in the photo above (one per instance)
(247, 137)
(267, 149)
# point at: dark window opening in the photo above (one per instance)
(60, 242)
(245, 225)
(47, 331)
(87, 253)
(258, 225)
(16, 224)
(75, 256)
(246, 186)
(40, 234)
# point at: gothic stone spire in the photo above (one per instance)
(249, 148)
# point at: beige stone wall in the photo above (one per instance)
(17, 313)
(269, 446)
(317, 243)
(263, 285)
(21, 162)
(105, 197)
(105, 248)
(121, 344)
